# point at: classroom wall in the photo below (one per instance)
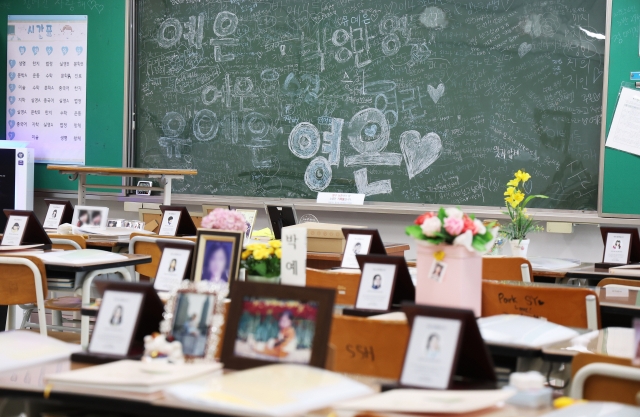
(584, 243)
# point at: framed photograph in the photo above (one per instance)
(176, 221)
(217, 258)
(87, 216)
(116, 222)
(174, 266)
(621, 246)
(277, 324)
(360, 242)
(144, 184)
(194, 315)
(250, 218)
(58, 212)
(280, 216)
(14, 231)
(24, 228)
(376, 286)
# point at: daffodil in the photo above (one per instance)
(279, 253)
(518, 196)
(275, 244)
(513, 183)
(510, 191)
(522, 176)
(246, 254)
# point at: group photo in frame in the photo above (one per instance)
(277, 324)
(88, 216)
(217, 256)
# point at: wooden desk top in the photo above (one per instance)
(119, 171)
(586, 270)
(604, 342)
(392, 248)
(107, 264)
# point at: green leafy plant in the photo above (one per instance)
(263, 260)
(516, 201)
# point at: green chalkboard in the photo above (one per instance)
(621, 168)
(407, 101)
(105, 80)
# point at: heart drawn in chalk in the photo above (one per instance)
(22, 50)
(436, 93)
(12, 135)
(12, 75)
(12, 63)
(524, 49)
(35, 50)
(49, 50)
(419, 153)
(371, 130)
(12, 112)
(65, 50)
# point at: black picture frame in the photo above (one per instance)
(186, 227)
(472, 364)
(376, 248)
(67, 211)
(633, 257)
(324, 298)
(280, 216)
(177, 244)
(34, 233)
(205, 235)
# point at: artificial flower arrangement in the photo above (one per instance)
(263, 259)
(451, 226)
(516, 201)
(223, 219)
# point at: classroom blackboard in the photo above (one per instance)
(619, 195)
(105, 80)
(407, 101)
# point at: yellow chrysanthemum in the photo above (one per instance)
(510, 191)
(260, 254)
(256, 246)
(522, 176)
(246, 254)
(513, 183)
(275, 244)
(279, 253)
(271, 251)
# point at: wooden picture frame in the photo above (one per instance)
(250, 217)
(280, 216)
(34, 233)
(472, 366)
(178, 323)
(633, 256)
(67, 212)
(229, 242)
(208, 208)
(313, 307)
(175, 244)
(185, 227)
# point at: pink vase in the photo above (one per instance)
(460, 286)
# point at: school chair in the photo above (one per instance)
(146, 245)
(604, 378)
(149, 216)
(23, 282)
(68, 242)
(571, 307)
(619, 282)
(345, 283)
(208, 208)
(506, 269)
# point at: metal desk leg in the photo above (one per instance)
(86, 298)
(11, 318)
(82, 191)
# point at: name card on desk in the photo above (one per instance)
(341, 198)
(293, 266)
(613, 292)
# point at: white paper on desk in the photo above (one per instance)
(523, 331)
(293, 265)
(21, 349)
(80, 257)
(553, 264)
(423, 401)
(273, 390)
(626, 123)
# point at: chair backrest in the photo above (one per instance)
(208, 208)
(504, 269)
(619, 281)
(345, 283)
(604, 378)
(561, 305)
(148, 216)
(144, 245)
(66, 242)
(17, 285)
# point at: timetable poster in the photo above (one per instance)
(46, 86)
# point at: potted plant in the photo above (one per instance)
(262, 262)
(450, 248)
(521, 223)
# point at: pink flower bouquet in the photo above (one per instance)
(222, 219)
(451, 226)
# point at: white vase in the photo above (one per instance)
(519, 248)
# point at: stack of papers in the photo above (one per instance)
(21, 249)
(273, 390)
(80, 257)
(553, 264)
(115, 234)
(529, 332)
(21, 349)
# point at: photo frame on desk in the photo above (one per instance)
(280, 216)
(270, 324)
(250, 217)
(129, 311)
(30, 230)
(176, 221)
(385, 283)
(217, 256)
(174, 266)
(621, 246)
(360, 242)
(445, 350)
(58, 212)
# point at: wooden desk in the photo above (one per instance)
(80, 173)
(320, 260)
(586, 271)
(566, 350)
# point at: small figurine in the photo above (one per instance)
(158, 348)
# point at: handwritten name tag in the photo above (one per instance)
(340, 198)
(616, 292)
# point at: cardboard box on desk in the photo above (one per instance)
(325, 237)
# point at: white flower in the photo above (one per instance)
(480, 227)
(431, 226)
(454, 213)
(466, 240)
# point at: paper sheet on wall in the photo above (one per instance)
(46, 86)
(626, 123)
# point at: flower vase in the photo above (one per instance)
(457, 283)
(266, 280)
(519, 248)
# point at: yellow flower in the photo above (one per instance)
(246, 254)
(522, 176)
(271, 251)
(275, 244)
(256, 246)
(510, 191)
(514, 182)
(260, 254)
(515, 199)
(279, 253)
